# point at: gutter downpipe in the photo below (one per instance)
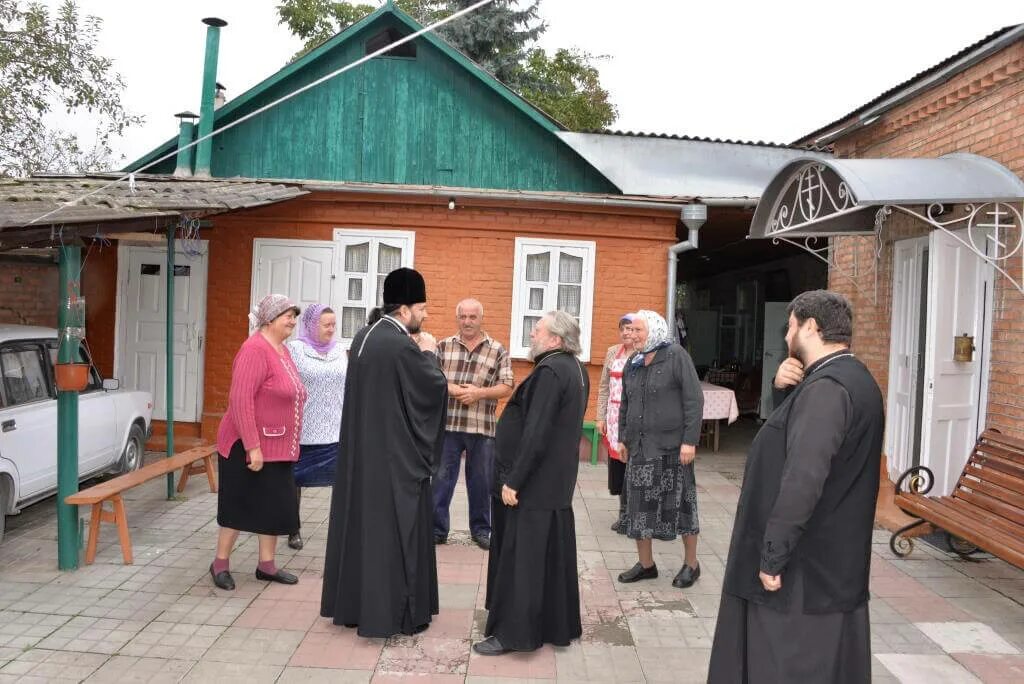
(693, 217)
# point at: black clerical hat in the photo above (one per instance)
(404, 286)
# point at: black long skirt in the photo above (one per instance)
(533, 590)
(757, 645)
(262, 502)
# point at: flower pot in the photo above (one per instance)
(72, 377)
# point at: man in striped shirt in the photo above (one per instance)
(479, 372)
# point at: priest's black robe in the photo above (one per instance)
(533, 594)
(380, 573)
(806, 512)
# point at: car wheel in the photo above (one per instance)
(134, 449)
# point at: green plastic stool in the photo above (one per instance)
(590, 432)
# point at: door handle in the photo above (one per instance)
(8, 425)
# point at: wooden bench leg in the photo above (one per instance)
(122, 529)
(211, 475)
(193, 469)
(94, 532)
(186, 472)
(717, 423)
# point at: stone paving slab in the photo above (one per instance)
(934, 616)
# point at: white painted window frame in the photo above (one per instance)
(347, 236)
(520, 291)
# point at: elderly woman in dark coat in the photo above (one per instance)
(659, 426)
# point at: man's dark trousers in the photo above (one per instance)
(479, 473)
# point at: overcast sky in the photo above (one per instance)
(759, 70)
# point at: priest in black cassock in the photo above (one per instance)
(533, 592)
(380, 574)
(794, 601)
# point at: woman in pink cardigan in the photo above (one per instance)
(258, 441)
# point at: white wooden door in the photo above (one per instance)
(904, 354)
(775, 352)
(142, 356)
(364, 259)
(301, 269)
(959, 302)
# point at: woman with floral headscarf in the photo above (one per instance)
(258, 440)
(322, 364)
(659, 425)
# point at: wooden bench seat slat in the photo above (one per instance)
(104, 490)
(997, 508)
(955, 518)
(999, 463)
(993, 521)
(997, 492)
(1007, 458)
(996, 477)
(1012, 445)
(948, 505)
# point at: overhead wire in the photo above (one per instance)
(337, 72)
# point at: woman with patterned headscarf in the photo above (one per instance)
(258, 441)
(322, 364)
(659, 426)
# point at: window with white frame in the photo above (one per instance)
(364, 260)
(551, 274)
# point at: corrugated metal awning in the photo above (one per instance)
(813, 197)
(31, 208)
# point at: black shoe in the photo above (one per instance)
(282, 576)
(490, 647)
(483, 541)
(440, 538)
(295, 541)
(222, 580)
(637, 573)
(686, 577)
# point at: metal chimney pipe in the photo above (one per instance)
(186, 134)
(205, 148)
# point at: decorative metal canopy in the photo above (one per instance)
(811, 200)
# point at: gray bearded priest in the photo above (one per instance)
(533, 593)
(794, 600)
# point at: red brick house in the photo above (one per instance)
(920, 274)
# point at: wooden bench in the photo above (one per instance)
(986, 508)
(111, 489)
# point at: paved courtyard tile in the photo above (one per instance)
(934, 616)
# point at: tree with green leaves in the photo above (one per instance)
(499, 36)
(49, 60)
(567, 86)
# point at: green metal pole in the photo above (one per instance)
(67, 417)
(169, 401)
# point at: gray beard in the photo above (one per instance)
(535, 351)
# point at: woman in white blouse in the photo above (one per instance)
(322, 364)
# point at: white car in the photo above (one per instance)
(113, 424)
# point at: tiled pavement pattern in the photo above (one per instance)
(935, 618)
